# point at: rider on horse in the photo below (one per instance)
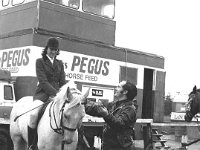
(51, 76)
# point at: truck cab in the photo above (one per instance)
(7, 99)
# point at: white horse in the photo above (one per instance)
(57, 128)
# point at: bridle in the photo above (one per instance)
(193, 96)
(188, 104)
(59, 129)
(188, 108)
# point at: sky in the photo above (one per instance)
(169, 28)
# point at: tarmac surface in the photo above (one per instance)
(175, 144)
(172, 143)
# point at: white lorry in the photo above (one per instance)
(7, 99)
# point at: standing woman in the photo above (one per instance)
(51, 76)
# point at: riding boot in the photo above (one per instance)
(31, 135)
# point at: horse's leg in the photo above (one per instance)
(18, 128)
(16, 135)
(19, 143)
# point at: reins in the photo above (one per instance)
(29, 111)
(59, 128)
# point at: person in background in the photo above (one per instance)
(119, 116)
(51, 77)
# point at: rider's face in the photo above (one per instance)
(51, 52)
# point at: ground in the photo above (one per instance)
(172, 142)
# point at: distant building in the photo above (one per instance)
(179, 101)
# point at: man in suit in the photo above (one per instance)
(51, 77)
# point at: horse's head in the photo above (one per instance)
(192, 106)
(72, 110)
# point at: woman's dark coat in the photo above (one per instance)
(51, 78)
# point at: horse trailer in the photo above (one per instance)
(86, 33)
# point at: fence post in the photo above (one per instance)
(147, 132)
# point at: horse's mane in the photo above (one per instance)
(62, 94)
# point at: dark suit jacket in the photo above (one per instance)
(50, 76)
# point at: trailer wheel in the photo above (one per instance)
(5, 140)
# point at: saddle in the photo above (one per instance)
(42, 110)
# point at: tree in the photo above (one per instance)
(168, 105)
